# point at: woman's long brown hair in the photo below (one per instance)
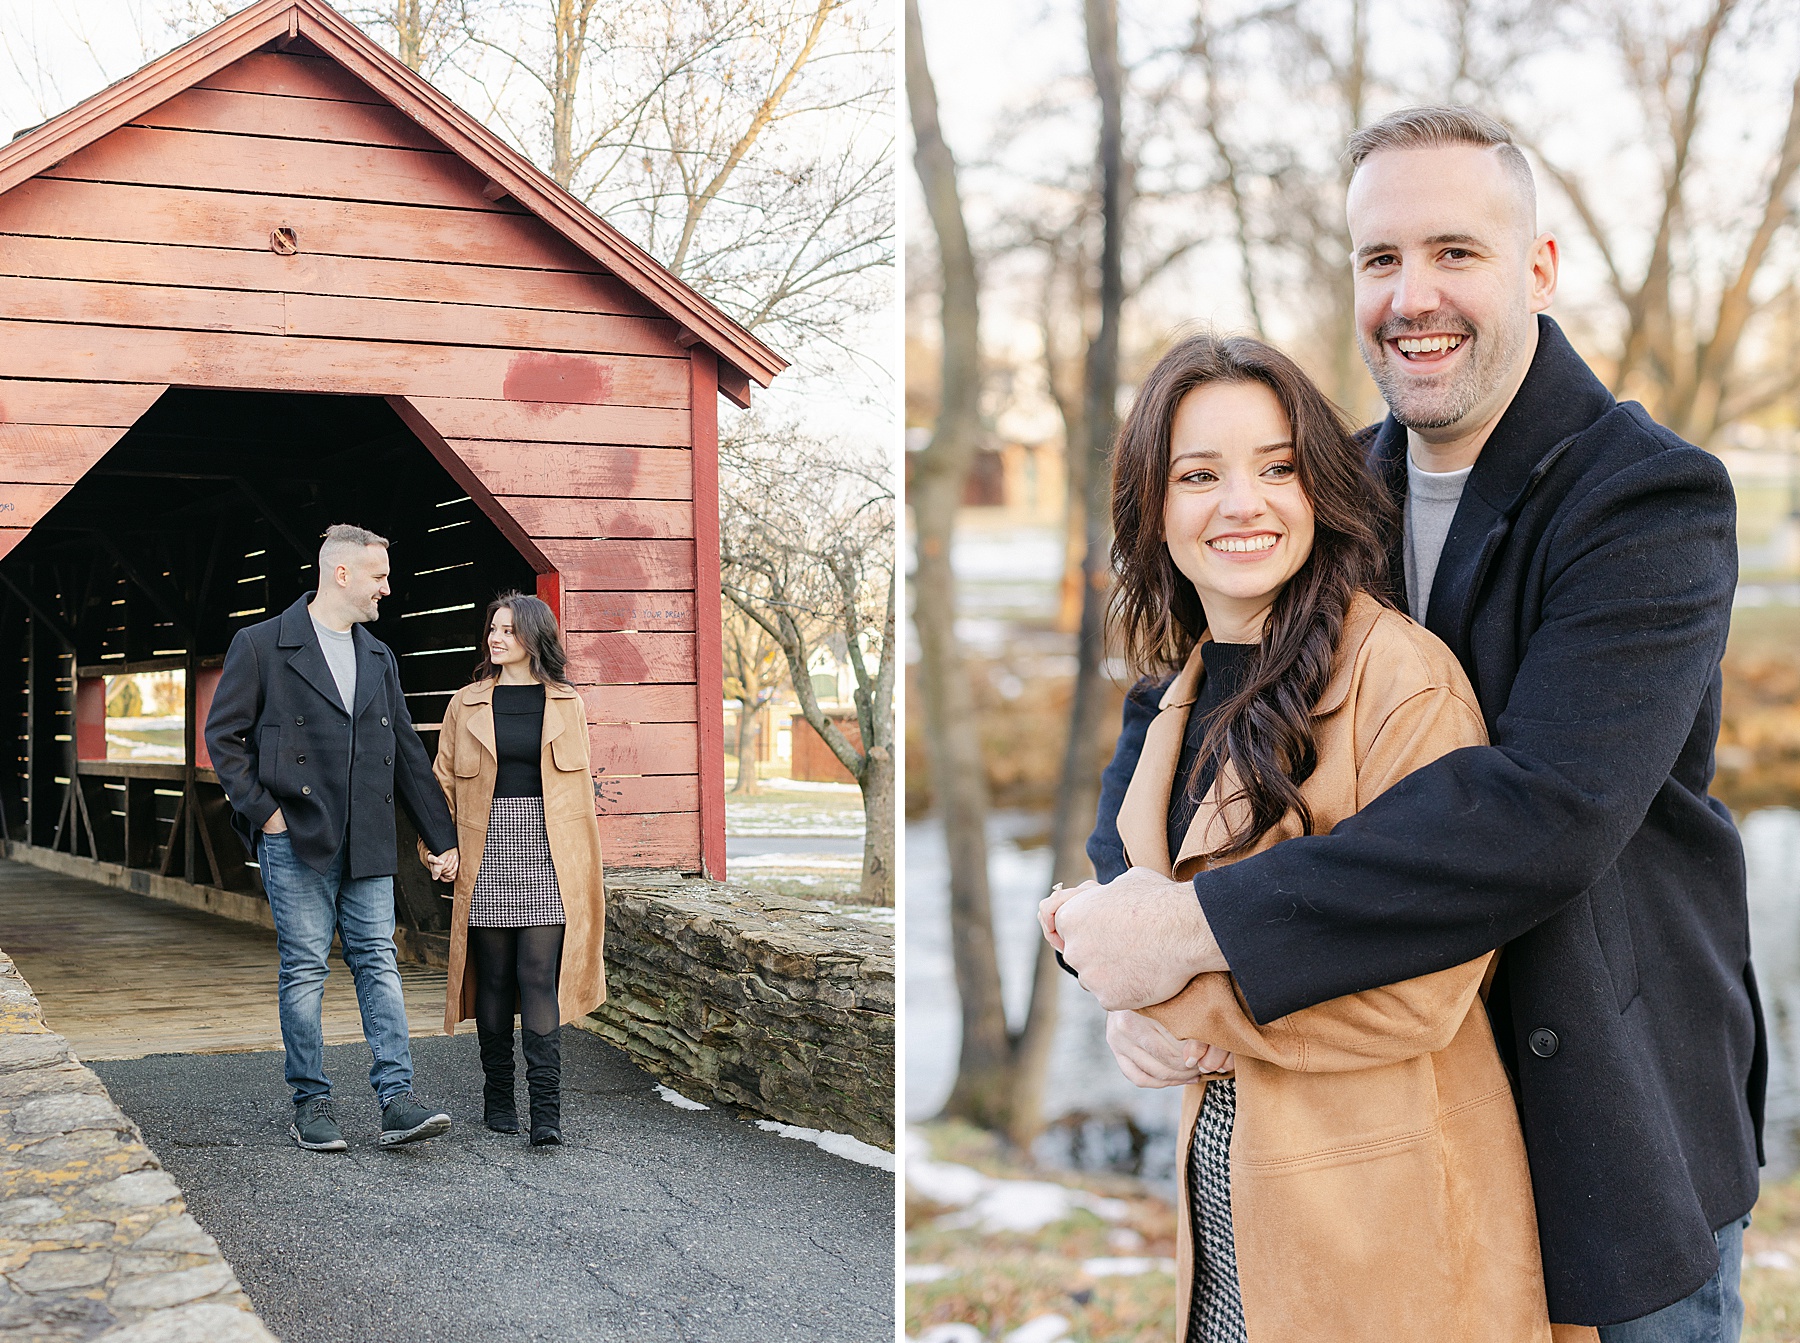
(535, 627)
(1265, 730)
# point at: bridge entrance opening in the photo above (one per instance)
(117, 608)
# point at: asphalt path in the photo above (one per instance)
(650, 1223)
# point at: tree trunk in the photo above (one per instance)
(748, 730)
(878, 827)
(982, 1093)
(1077, 791)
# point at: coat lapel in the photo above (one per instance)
(307, 659)
(480, 699)
(556, 718)
(371, 669)
(1144, 814)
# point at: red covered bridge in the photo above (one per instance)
(274, 280)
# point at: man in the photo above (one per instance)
(1580, 560)
(306, 723)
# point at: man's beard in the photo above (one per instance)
(1441, 406)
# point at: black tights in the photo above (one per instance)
(517, 964)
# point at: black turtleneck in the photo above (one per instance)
(518, 740)
(1227, 668)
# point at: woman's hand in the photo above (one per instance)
(444, 865)
(1150, 1056)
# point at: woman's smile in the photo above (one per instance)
(1252, 547)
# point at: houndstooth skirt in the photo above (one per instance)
(516, 886)
(1215, 1310)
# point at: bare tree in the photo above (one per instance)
(744, 143)
(807, 553)
(983, 1091)
(751, 655)
(1690, 303)
(425, 34)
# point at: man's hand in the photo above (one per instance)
(1150, 1056)
(443, 866)
(276, 824)
(1135, 941)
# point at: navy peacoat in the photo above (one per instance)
(279, 737)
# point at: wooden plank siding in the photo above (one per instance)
(559, 398)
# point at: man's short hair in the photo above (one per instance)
(343, 542)
(1435, 127)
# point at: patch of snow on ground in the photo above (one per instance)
(929, 1272)
(1044, 1329)
(679, 1101)
(838, 1144)
(951, 1333)
(993, 1204)
(1126, 1268)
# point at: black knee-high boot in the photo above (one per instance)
(543, 1078)
(498, 1109)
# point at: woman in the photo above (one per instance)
(1355, 1170)
(530, 913)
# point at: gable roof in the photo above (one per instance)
(510, 172)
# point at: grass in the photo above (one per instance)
(1771, 1281)
(999, 1281)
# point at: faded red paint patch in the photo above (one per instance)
(557, 377)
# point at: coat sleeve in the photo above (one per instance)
(1380, 1025)
(1486, 843)
(443, 768)
(413, 780)
(1105, 850)
(231, 732)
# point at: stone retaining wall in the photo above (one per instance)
(95, 1238)
(757, 1002)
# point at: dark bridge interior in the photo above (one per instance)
(206, 517)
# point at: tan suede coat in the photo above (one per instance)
(466, 768)
(1378, 1181)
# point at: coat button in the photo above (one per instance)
(299, 760)
(387, 759)
(299, 722)
(384, 721)
(307, 790)
(387, 797)
(1543, 1042)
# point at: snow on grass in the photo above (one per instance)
(679, 1101)
(929, 1272)
(990, 1203)
(1044, 1329)
(951, 1333)
(838, 1144)
(1126, 1268)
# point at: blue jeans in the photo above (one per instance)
(1714, 1314)
(308, 907)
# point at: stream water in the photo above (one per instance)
(1101, 1121)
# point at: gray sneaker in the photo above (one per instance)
(315, 1126)
(404, 1119)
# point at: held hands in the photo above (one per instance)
(1134, 941)
(443, 866)
(1150, 1056)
